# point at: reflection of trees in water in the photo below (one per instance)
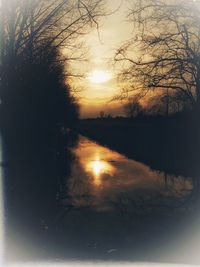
(176, 195)
(138, 218)
(172, 196)
(65, 157)
(35, 175)
(178, 185)
(77, 194)
(165, 193)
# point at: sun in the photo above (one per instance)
(99, 76)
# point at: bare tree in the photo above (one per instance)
(164, 54)
(33, 33)
(132, 108)
(25, 23)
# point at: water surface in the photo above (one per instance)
(93, 203)
(105, 180)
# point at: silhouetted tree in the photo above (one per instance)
(164, 54)
(38, 94)
(102, 114)
(133, 108)
(34, 73)
(25, 23)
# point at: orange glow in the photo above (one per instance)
(105, 175)
(99, 167)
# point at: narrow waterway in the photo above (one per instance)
(106, 207)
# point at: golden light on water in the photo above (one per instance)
(99, 76)
(99, 167)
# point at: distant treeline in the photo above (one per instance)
(141, 115)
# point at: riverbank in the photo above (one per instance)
(165, 144)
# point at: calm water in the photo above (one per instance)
(106, 207)
(105, 180)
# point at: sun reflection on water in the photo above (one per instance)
(105, 177)
(99, 167)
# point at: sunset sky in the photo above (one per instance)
(100, 82)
